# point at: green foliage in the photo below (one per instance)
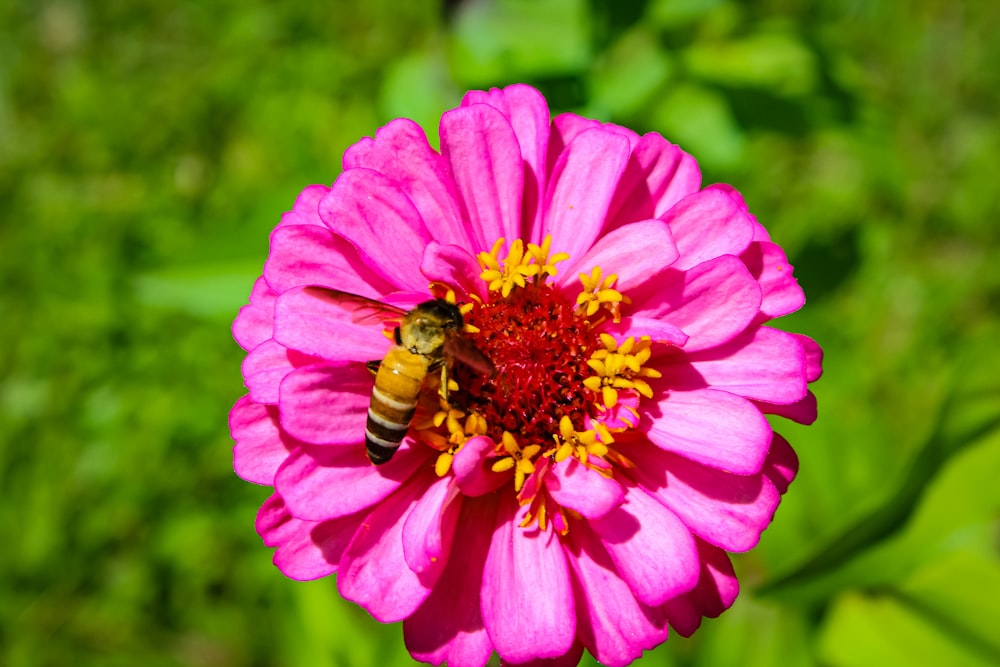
(146, 150)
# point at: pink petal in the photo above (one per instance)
(326, 403)
(578, 487)
(568, 126)
(373, 570)
(255, 322)
(658, 175)
(259, 449)
(305, 211)
(448, 627)
(727, 510)
(564, 129)
(569, 659)
(814, 357)
(782, 464)
(760, 234)
(311, 255)
(712, 427)
(528, 113)
(400, 151)
(305, 549)
(711, 303)
(581, 187)
(534, 483)
(526, 621)
(471, 467)
(264, 368)
(380, 221)
(613, 625)
(769, 266)
(652, 549)
(637, 327)
(320, 483)
(429, 528)
(453, 266)
(803, 411)
(485, 161)
(708, 224)
(763, 364)
(322, 327)
(635, 252)
(716, 591)
(623, 416)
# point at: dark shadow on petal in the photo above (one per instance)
(332, 537)
(620, 526)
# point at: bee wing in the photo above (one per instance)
(462, 348)
(361, 309)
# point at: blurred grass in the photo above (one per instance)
(146, 149)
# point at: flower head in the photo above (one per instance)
(584, 494)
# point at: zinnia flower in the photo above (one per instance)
(585, 494)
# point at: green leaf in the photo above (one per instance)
(417, 87)
(956, 513)
(881, 630)
(628, 75)
(494, 42)
(755, 633)
(212, 291)
(679, 13)
(961, 591)
(776, 61)
(701, 122)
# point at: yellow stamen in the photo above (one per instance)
(458, 433)
(520, 459)
(620, 367)
(582, 444)
(502, 465)
(518, 265)
(443, 291)
(597, 293)
(443, 463)
(541, 256)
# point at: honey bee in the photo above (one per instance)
(429, 338)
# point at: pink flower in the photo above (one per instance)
(584, 496)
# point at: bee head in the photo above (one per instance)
(426, 327)
(441, 314)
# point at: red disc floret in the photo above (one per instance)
(540, 349)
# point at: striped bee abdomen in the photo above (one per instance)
(394, 400)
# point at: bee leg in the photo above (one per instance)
(443, 381)
(443, 387)
(372, 366)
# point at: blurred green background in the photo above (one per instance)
(147, 148)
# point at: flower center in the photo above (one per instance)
(562, 387)
(540, 349)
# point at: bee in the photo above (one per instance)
(429, 338)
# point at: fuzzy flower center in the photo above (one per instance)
(562, 387)
(540, 349)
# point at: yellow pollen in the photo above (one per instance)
(458, 434)
(581, 444)
(442, 291)
(541, 256)
(598, 293)
(521, 460)
(620, 368)
(518, 266)
(618, 378)
(545, 516)
(443, 463)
